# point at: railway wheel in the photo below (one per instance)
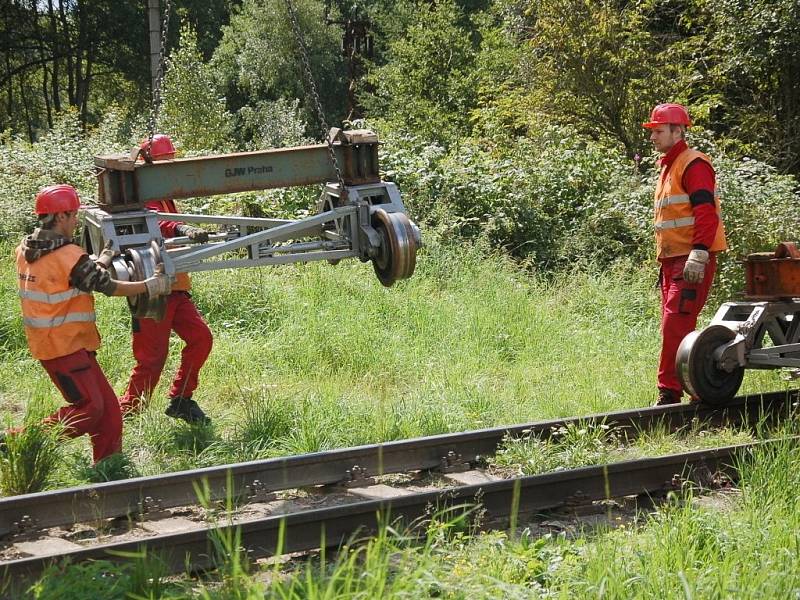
(396, 256)
(698, 370)
(141, 264)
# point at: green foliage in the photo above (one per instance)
(29, 459)
(548, 199)
(428, 85)
(576, 445)
(141, 579)
(275, 124)
(258, 60)
(595, 64)
(752, 56)
(111, 468)
(64, 155)
(192, 109)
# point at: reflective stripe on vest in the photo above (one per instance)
(58, 318)
(674, 216)
(673, 223)
(49, 298)
(676, 199)
(45, 323)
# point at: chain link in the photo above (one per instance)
(155, 105)
(298, 34)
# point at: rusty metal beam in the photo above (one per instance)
(125, 184)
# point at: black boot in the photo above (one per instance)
(188, 410)
(666, 397)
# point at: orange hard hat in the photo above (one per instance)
(56, 199)
(668, 114)
(162, 147)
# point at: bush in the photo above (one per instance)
(64, 155)
(557, 198)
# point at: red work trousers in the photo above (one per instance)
(93, 407)
(151, 345)
(681, 303)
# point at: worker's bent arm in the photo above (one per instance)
(90, 277)
(128, 288)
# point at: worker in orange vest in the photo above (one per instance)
(56, 281)
(689, 233)
(151, 337)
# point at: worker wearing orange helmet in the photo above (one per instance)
(56, 281)
(689, 233)
(151, 337)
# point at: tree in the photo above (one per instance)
(428, 83)
(595, 63)
(193, 110)
(752, 89)
(258, 59)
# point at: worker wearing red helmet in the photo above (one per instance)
(689, 233)
(151, 337)
(56, 281)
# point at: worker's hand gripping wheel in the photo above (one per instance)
(698, 362)
(137, 264)
(396, 255)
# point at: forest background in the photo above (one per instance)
(516, 123)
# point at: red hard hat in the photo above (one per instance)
(162, 147)
(56, 199)
(668, 114)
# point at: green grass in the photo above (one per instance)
(310, 357)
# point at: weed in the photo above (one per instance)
(111, 468)
(30, 459)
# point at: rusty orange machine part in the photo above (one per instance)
(773, 275)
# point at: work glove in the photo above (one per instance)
(695, 267)
(106, 256)
(160, 284)
(195, 234)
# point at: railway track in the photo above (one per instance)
(339, 493)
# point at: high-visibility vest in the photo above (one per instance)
(183, 281)
(58, 318)
(674, 219)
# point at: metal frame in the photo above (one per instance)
(752, 322)
(333, 234)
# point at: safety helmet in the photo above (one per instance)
(668, 114)
(161, 149)
(56, 199)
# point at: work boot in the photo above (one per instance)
(188, 410)
(666, 397)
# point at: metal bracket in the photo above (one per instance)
(257, 490)
(148, 505)
(356, 476)
(26, 523)
(452, 462)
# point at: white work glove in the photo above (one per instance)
(106, 256)
(160, 284)
(695, 268)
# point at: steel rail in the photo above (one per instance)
(254, 478)
(502, 501)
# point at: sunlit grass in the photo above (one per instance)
(311, 357)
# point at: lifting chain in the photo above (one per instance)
(155, 104)
(315, 97)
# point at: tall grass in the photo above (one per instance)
(28, 459)
(309, 357)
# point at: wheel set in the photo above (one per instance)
(699, 368)
(137, 264)
(396, 255)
